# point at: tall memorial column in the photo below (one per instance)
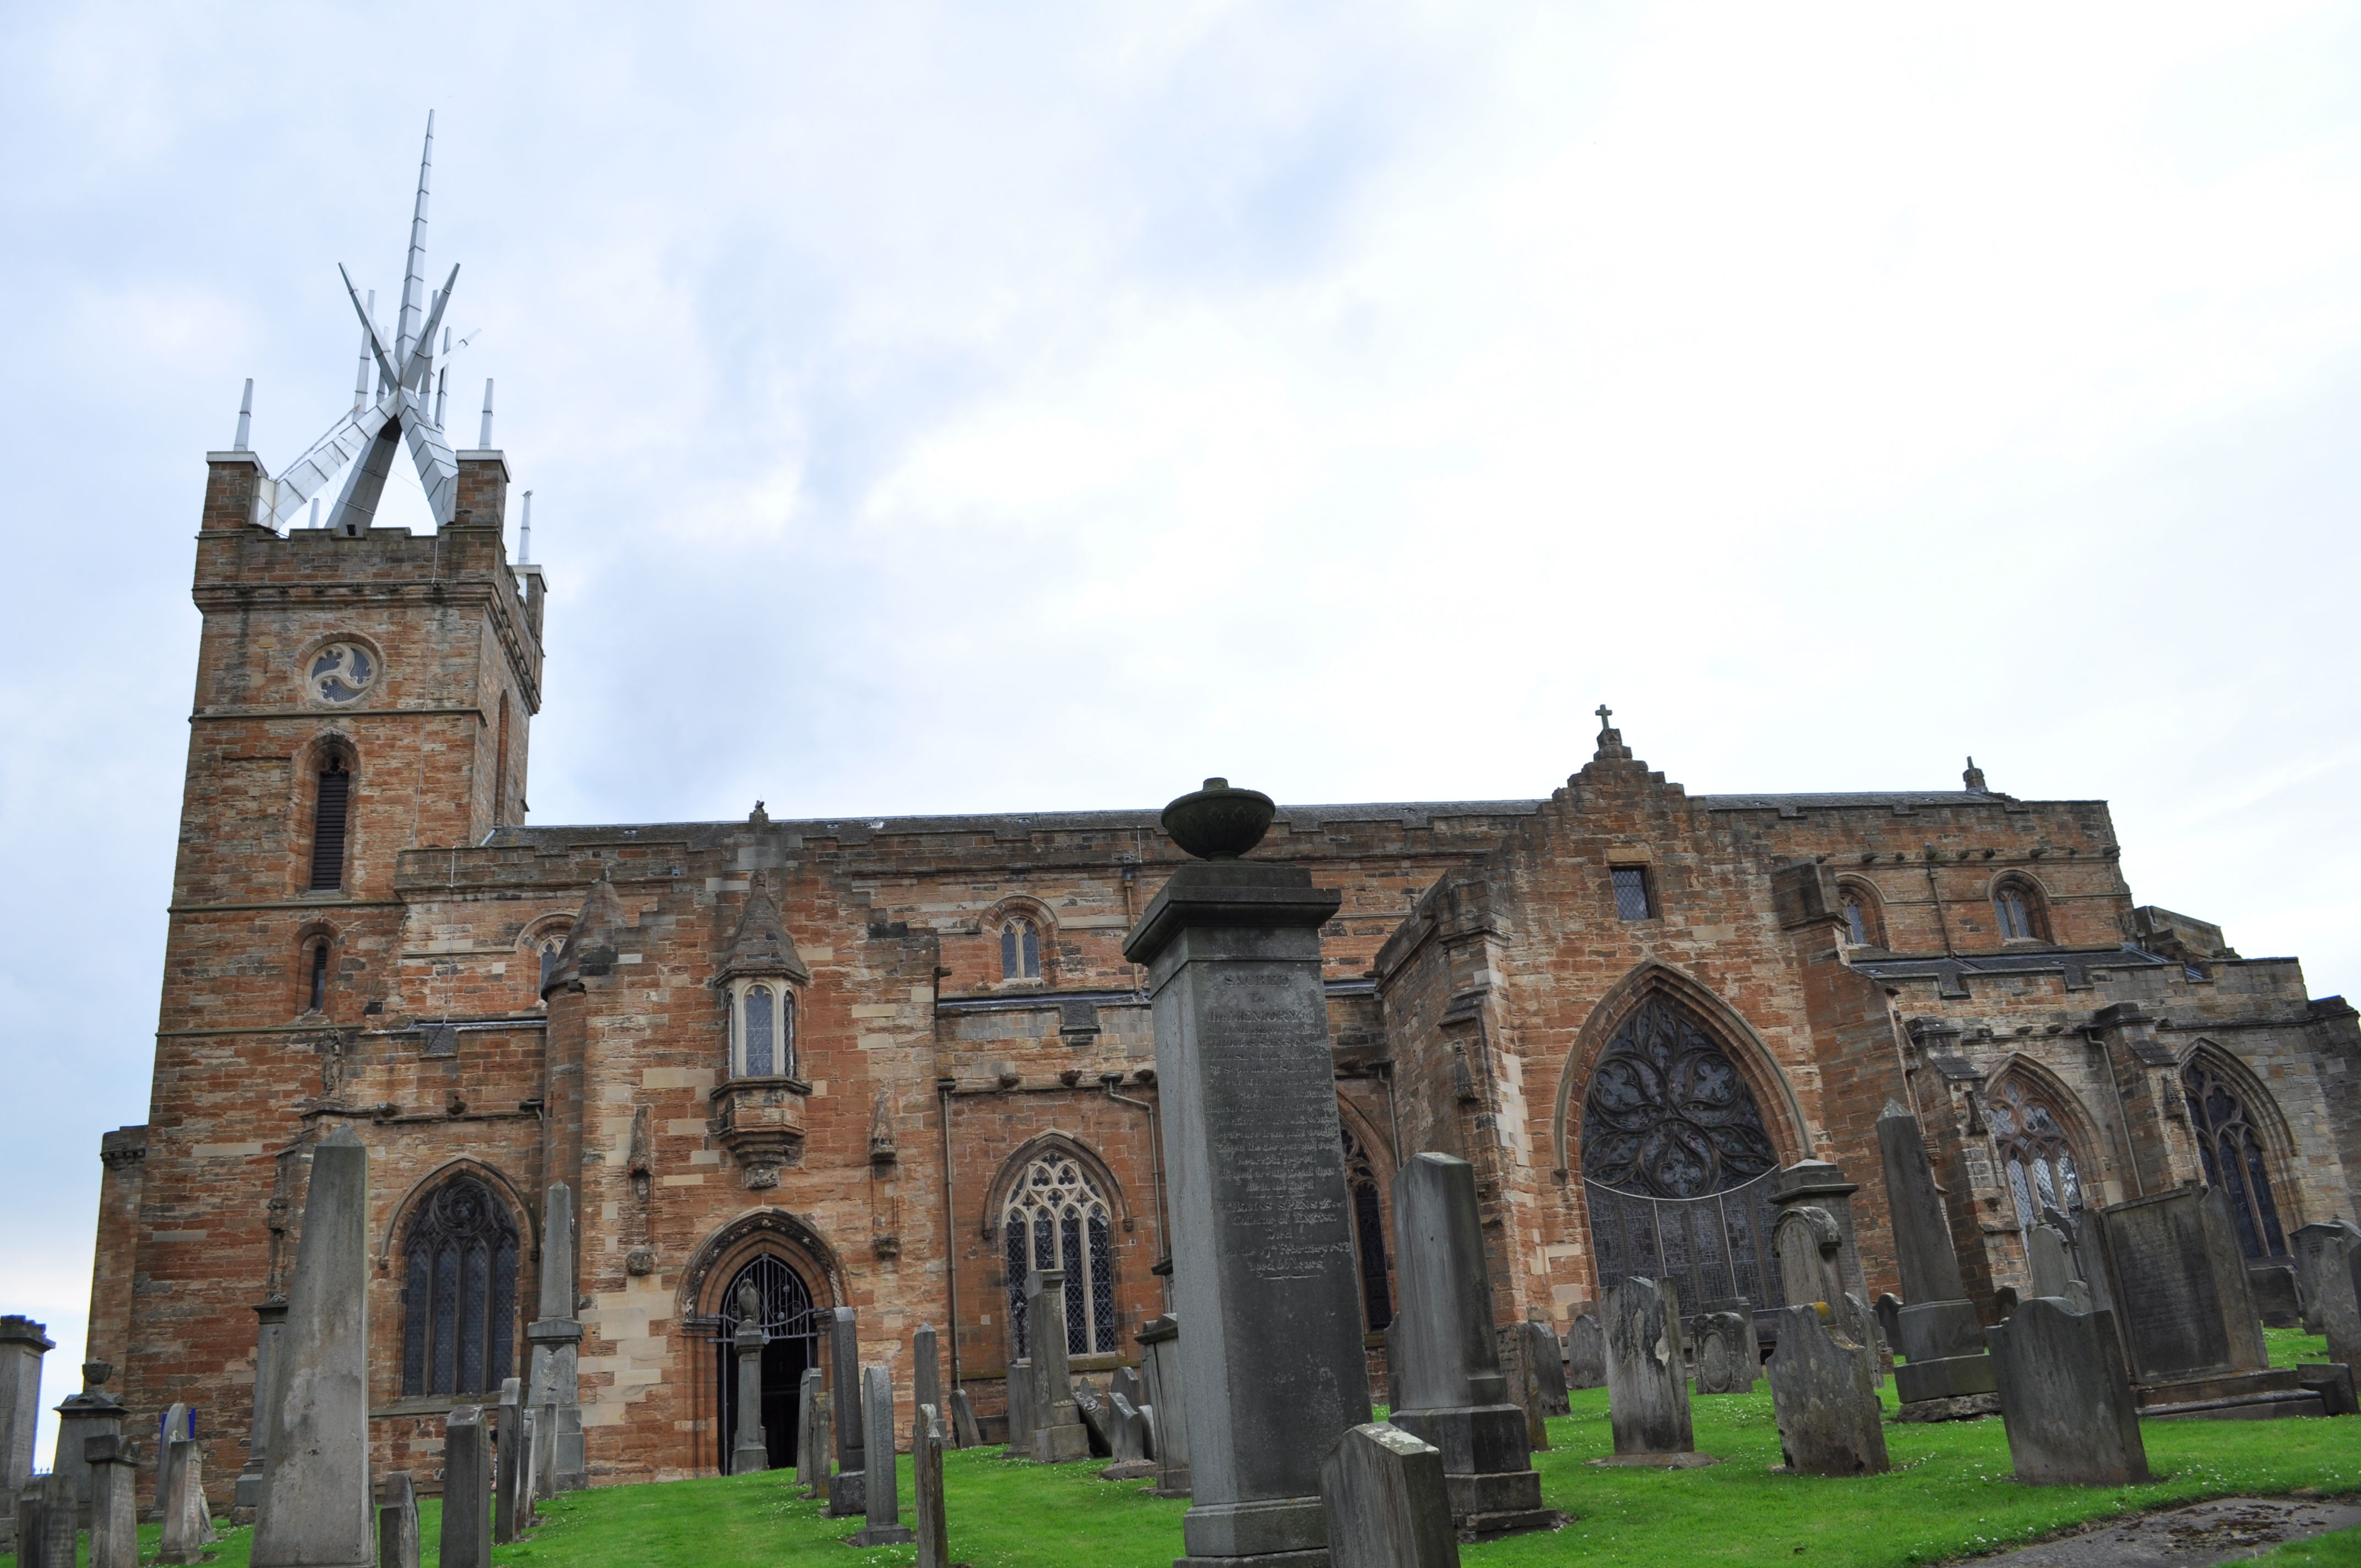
(555, 1337)
(1262, 1242)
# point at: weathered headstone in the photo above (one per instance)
(751, 1451)
(926, 1467)
(1887, 1310)
(58, 1535)
(823, 1443)
(1097, 1418)
(1586, 1352)
(508, 1461)
(880, 1483)
(92, 1414)
(1018, 1385)
(1725, 1352)
(1819, 1185)
(963, 1431)
(270, 1328)
(2304, 1248)
(1547, 1366)
(1807, 1244)
(113, 1501)
(1388, 1502)
(31, 1515)
(847, 1495)
(1127, 1434)
(188, 1522)
(317, 1509)
(2187, 1317)
(1647, 1393)
(466, 1538)
(1159, 1355)
(397, 1522)
(1264, 1269)
(1455, 1396)
(1824, 1398)
(528, 1499)
(2336, 1298)
(1519, 1376)
(810, 1462)
(23, 1342)
(2064, 1398)
(2049, 1260)
(2333, 1381)
(925, 1367)
(178, 1423)
(557, 1339)
(1946, 1374)
(2276, 1299)
(1059, 1435)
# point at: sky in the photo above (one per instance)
(1039, 406)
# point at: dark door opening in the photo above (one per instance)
(790, 1344)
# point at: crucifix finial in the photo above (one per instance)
(1605, 713)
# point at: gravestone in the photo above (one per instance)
(1059, 1436)
(1523, 1388)
(2064, 1398)
(2192, 1336)
(2049, 1260)
(270, 1327)
(2336, 1298)
(811, 1464)
(1824, 1398)
(92, 1414)
(467, 1537)
(397, 1522)
(884, 1492)
(1887, 1310)
(927, 1466)
(1807, 1248)
(1018, 1385)
(30, 1519)
(23, 1342)
(751, 1451)
(846, 1494)
(507, 1461)
(823, 1443)
(188, 1522)
(557, 1339)
(58, 1535)
(964, 1431)
(1393, 1359)
(1159, 1355)
(1819, 1185)
(1388, 1502)
(2305, 1247)
(1127, 1433)
(1126, 1381)
(1548, 1367)
(1455, 1396)
(1264, 1265)
(317, 1509)
(2272, 1284)
(1647, 1394)
(1946, 1374)
(178, 1423)
(2333, 1381)
(925, 1367)
(1725, 1352)
(1586, 1352)
(113, 1465)
(528, 1502)
(1097, 1418)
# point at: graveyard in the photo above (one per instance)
(1948, 1496)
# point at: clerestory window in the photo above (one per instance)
(1020, 949)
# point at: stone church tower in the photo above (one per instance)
(896, 1063)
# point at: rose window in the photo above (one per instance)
(1667, 1115)
(341, 672)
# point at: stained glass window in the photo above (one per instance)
(1667, 1115)
(459, 1292)
(1056, 1218)
(2233, 1153)
(2042, 1170)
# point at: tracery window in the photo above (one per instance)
(2043, 1172)
(1369, 1236)
(762, 1031)
(2233, 1153)
(551, 946)
(1667, 1115)
(1055, 1217)
(1020, 949)
(2016, 912)
(459, 1298)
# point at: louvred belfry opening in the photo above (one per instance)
(328, 817)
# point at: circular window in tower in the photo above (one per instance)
(341, 672)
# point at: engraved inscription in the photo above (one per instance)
(1273, 1133)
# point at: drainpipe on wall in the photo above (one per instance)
(1156, 1174)
(951, 1228)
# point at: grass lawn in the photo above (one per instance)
(1950, 1494)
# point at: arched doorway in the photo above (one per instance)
(1677, 1163)
(790, 1326)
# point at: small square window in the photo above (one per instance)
(1634, 899)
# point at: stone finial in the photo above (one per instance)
(1974, 776)
(1610, 740)
(758, 818)
(761, 945)
(592, 945)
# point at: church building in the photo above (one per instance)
(892, 1062)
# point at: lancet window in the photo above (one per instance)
(459, 1292)
(2016, 912)
(1020, 949)
(1369, 1236)
(2043, 1172)
(331, 803)
(2233, 1152)
(763, 1030)
(1057, 1218)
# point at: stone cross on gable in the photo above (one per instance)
(1605, 714)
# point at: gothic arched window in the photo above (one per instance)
(1369, 1236)
(1056, 1218)
(1020, 949)
(2016, 912)
(2233, 1154)
(459, 1292)
(331, 804)
(763, 1042)
(550, 948)
(2042, 1170)
(316, 976)
(1864, 928)
(1667, 1115)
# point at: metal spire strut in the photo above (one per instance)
(404, 410)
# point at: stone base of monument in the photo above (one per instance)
(1947, 1375)
(1129, 1470)
(882, 1535)
(1484, 1507)
(1315, 1559)
(1478, 1444)
(1653, 1461)
(2232, 1397)
(848, 1493)
(2333, 1381)
(1061, 1443)
(1964, 1408)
